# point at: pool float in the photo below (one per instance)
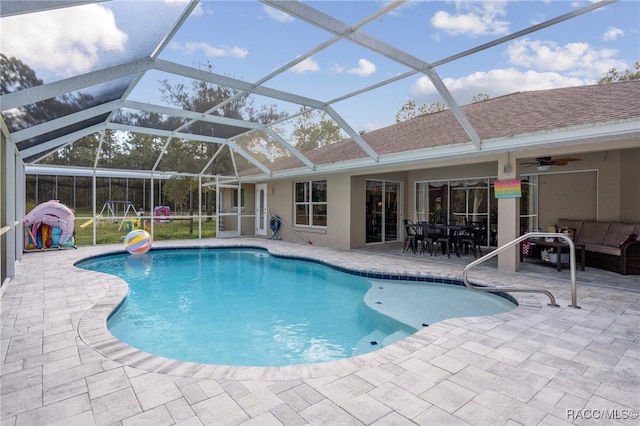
(31, 239)
(55, 236)
(52, 213)
(38, 234)
(45, 235)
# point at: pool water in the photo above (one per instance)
(246, 307)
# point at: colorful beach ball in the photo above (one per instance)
(138, 241)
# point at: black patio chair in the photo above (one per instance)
(471, 237)
(427, 238)
(413, 235)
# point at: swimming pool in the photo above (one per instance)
(246, 307)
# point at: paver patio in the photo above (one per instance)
(535, 365)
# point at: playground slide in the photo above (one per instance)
(89, 222)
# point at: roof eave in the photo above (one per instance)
(574, 135)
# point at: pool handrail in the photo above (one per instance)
(572, 265)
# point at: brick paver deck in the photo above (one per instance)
(535, 365)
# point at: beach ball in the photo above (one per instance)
(138, 241)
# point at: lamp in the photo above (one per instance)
(543, 167)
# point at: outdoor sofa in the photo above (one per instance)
(613, 246)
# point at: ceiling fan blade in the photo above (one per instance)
(563, 161)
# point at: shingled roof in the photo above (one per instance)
(510, 116)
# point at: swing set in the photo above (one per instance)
(114, 207)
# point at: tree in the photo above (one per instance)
(178, 190)
(314, 129)
(15, 75)
(479, 98)
(614, 75)
(409, 109)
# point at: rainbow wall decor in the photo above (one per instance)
(508, 189)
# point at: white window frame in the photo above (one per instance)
(308, 202)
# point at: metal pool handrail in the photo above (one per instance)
(572, 264)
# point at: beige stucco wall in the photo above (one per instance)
(606, 188)
(630, 186)
(602, 186)
(337, 233)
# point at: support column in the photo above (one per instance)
(508, 218)
(10, 157)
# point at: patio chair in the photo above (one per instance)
(471, 237)
(441, 238)
(413, 235)
(427, 238)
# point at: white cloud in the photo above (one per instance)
(64, 41)
(210, 51)
(613, 33)
(308, 65)
(495, 83)
(198, 11)
(364, 69)
(579, 59)
(537, 65)
(276, 14)
(473, 19)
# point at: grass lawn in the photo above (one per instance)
(107, 230)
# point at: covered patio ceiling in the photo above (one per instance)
(56, 109)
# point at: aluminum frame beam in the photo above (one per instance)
(328, 23)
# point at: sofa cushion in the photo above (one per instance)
(593, 233)
(576, 225)
(617, 233)
(615, 251)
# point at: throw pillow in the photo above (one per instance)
(630, 238)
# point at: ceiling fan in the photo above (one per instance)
(545, 163)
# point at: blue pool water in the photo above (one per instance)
(246, 307)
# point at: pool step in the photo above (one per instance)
(376, 340)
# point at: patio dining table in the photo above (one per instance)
(452, 232)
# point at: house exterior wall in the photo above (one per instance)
(280, 196)
(567, 195)
(602, 185)
(630, 186)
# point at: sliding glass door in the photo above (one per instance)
(381, 221)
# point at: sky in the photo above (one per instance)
(249, 40)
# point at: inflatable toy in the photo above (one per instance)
(53, 214)
(138, 241)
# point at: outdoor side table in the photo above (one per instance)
(559, 246)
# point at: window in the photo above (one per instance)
(311, 203)
(235, 198)
(473, 200)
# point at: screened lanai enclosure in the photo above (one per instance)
(118, 108)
